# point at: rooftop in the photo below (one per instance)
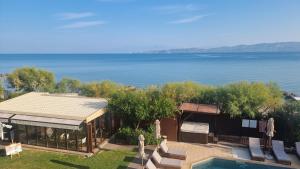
(65, 106)
(199, 108)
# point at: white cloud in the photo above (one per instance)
(188, 20)
(169, 9)
(75, 15)
(83, 24)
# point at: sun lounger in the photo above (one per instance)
(255, 149)
(167, 163)
(171, 152)
(150, 165)
(280, 154)
(298, 149)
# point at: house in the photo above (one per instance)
(61, 121)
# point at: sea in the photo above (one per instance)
(143, 70)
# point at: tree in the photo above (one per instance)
(134, 107)
(183, 92)
(67, 85)
(248, 99)
(31, 79)
(103, 89)
(131, 106)
(160, 106)
(1, 92)
(287, 122)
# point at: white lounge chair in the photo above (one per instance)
(280, 154)
(150, 165)
(171, 152)
(167, 163)
(255, 149)
(298, 149)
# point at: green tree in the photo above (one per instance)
(248, 99)
(31, 79)
(131, 106)
(67, 85)
(137, 106)
(183, 91)
(1, 92)
(159, 105)
(103, 89)
(287, 122)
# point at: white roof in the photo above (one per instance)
(296, 98)
(53, 105)
(194, 127)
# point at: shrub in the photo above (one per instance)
(31, 79)
(130, 136)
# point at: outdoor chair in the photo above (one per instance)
(167, 163)
(150, 165)
(298, 149)
(255, 149)
(172, 152)
(279, 153)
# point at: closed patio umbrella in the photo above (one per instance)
(142, 147)
(157, 129)
(270, 131)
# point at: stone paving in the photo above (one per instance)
(198, 152)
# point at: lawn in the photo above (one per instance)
(34, 159)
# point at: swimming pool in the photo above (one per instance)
(217, 163)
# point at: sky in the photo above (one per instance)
(105, 26)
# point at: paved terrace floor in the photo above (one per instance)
(198, 152)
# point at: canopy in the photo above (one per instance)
(4, 117)
(46, 122)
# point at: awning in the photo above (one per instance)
(46, 122)
(4, 117)
(193, 127)
(200, 108)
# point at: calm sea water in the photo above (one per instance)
(145, 69)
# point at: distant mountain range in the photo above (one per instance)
(261, 47)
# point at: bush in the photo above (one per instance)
(130, 136)
(287, 122)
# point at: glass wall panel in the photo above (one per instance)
(82, 139)
(32, 136)
(61, 135)
(21, 134)
(41, 134)
(51, 137)
(72, 140)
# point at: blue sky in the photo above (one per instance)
(95, 26)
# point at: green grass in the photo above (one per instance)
(32, 159)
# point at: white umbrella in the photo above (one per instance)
(270, 130)
(1, 131)
(142, 147)
(157, 129)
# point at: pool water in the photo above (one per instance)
(217, 163)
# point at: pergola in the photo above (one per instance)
(197, 121)
(50, 117)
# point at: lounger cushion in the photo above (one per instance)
(255, 149)
(164, 147)
(166, 162)
(172, 151)
(171, 162)
(278, 149)
(150, 165)
(156, 157)
(298, 148)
